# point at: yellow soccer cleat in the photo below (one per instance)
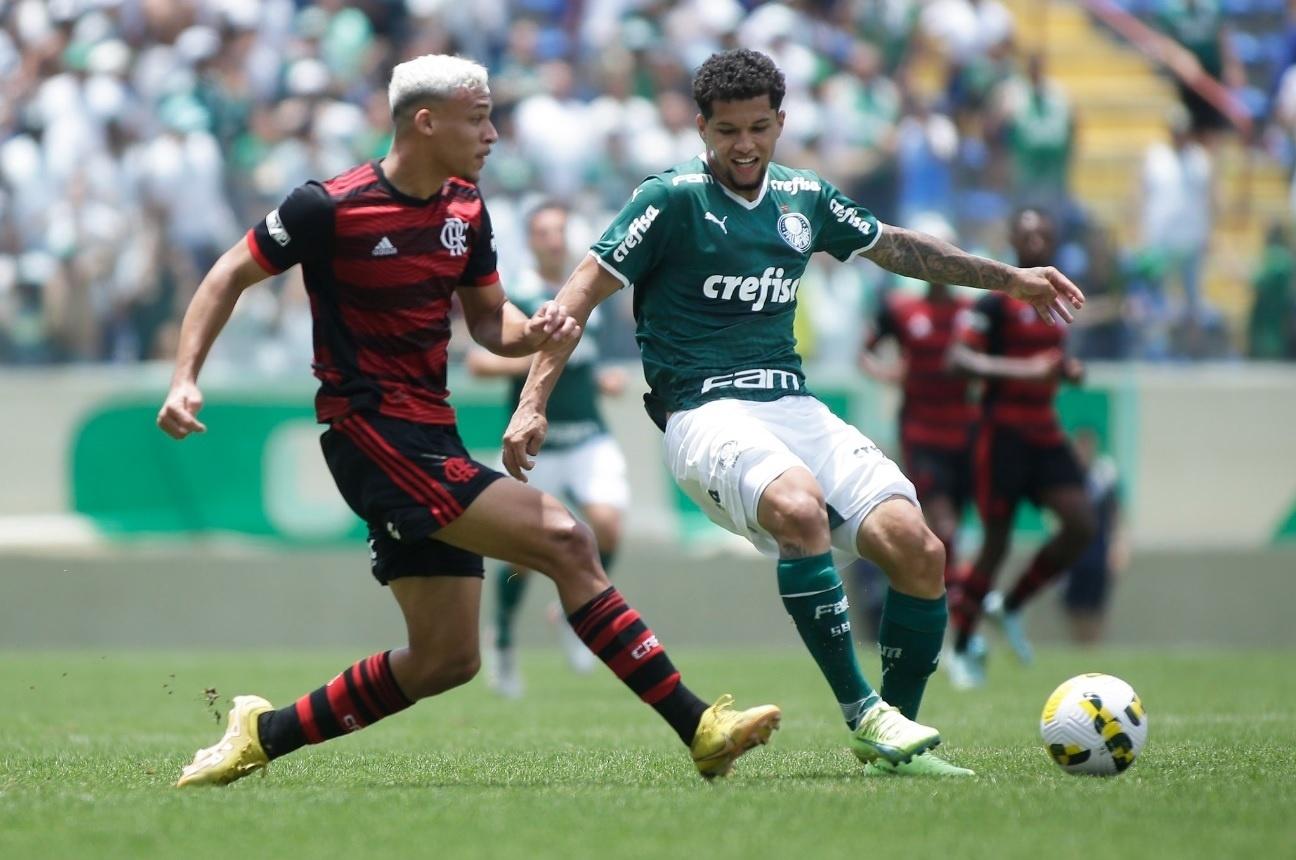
(725, 734)
(238, 752)
(886, 733)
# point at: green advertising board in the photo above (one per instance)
(257, 472)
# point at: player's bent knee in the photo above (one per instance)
(918, 563)
(444, 672)
(798, 515)
(573, 540)
(929, 564)
(570, 550)
(460, 671)
(935, 552)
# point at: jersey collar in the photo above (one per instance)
(401, 195)
(738, 198)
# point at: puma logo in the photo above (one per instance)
(720, 221)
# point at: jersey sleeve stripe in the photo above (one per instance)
(262, 260)
(625, 282)
(869, 247)
(483, 281)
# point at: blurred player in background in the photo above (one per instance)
(383, 247)
(582, 464)
(1021, 453)
(715, 249)
(1087, 592)
(936, 414)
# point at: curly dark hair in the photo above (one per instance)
(736, 75)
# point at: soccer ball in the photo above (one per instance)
(1094, 724)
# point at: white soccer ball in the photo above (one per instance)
(1094, 724)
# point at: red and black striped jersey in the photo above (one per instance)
(936, 410)
(1003, 326)
(380, 268)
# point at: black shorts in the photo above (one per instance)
(1087, 587)
(1008, 468)
(940, 472)
(406, 481)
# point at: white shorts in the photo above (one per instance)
(591, 473)
(723, 454)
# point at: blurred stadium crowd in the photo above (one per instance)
(139, 138)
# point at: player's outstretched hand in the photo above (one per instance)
(551, 327)
(522, 440)
(1047, 290)
(178, 416)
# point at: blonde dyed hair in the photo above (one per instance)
(433, 76)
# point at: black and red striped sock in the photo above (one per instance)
(1043, 570)
(358, 697)
(615, 632)
(965, 605)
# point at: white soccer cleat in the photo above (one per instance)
(504, 678)
(579, 656)
(1010, 625)
(967, 669)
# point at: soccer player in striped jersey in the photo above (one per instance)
(714, 250)
(936, 414)
(1021, 453)
(383, 248)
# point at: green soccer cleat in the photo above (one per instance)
(924, 764)
(886, 733)
(239, 751)
(724, 734)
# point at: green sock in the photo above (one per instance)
(813, 595)
(509, 588)
(909, 641)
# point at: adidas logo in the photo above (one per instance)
(384, 248)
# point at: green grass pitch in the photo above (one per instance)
(90, 742)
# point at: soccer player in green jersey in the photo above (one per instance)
(582, 463)
(714, 250)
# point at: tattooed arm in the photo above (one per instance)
(918, 255)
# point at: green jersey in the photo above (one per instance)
(715, 278)
(1040, 134)
(573, 409)
(1197, 29)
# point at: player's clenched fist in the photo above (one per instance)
(550, 327)
(178, 416)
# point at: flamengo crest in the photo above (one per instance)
(454, 236)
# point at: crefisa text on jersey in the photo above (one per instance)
(638, 227)
(770, 287)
